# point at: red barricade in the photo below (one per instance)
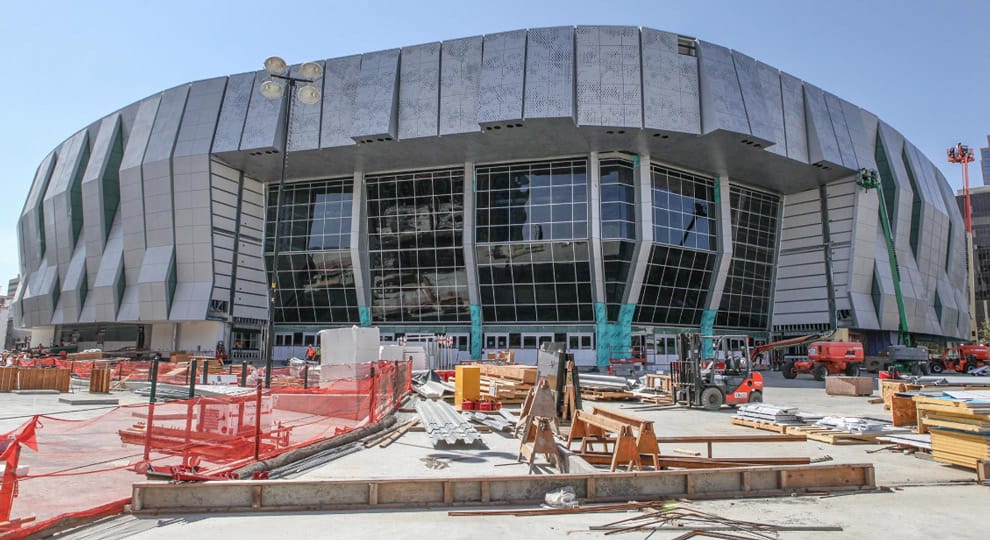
(90, 464)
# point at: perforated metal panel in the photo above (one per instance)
(500, 91)
(419, 91)
(550, 73)
(609, 87)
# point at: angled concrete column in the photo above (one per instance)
(722, 261)
(470, 261)
(644, 230)
(595, 229)
(603, 330)
(360, 261)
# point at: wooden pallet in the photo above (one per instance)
(760, 424)
(600, 395)
(656, 400)
(834, 436)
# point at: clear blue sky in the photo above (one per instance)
(922, 66)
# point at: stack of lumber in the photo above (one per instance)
(765, 416)
(890, 387)
(959, 423)
(508, 356)
(508, 384)
(839, 430)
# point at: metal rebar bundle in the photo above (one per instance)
(697, 523)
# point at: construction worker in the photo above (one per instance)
(310, 354)
(319, 354)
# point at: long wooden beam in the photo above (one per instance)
(732, 439)
(691, 462)
(374, 493)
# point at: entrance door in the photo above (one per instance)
(531, 347)
(496, 342)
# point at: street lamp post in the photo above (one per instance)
(274, 88)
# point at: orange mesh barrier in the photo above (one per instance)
(84, 468)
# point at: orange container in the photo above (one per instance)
(467, 405)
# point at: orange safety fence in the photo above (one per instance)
(169, 372)
(85, 467)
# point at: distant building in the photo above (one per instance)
(12, 337)
(985, 162)
(980, 200)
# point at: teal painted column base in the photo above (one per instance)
(603, 338)
(364, 312)
(609, 336)
(707, 329)
(475, 332)
(623, 327)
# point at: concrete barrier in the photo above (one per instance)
(357, 494)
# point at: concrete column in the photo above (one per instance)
(595, 229)
(470, 260)
(722, 261)
(644, 229)
(603, 330)
(359, 248)
(724, 257)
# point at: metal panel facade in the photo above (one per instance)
(375, 104)
(503, 72)
(419, 91)
(609, 84)
(459, 80)
(549, 73)
(340, 83)
(157, 212)
(722, 106)
(670, 85)
(760, 86)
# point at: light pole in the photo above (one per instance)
(274, 88)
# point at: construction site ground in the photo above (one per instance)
(928, 499)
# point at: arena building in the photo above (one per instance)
(599, 185)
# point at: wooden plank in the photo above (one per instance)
(524, 374)
(834, 436)
(946, 402)
(732, 438)
(950, 410)
(756, 424)
(978, 428)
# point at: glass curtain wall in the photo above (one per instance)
(618, 228)
(315, 277)
(415, 224)
(682, 259)
(533, 254)
(746, 299)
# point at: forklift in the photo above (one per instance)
(711, 378)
